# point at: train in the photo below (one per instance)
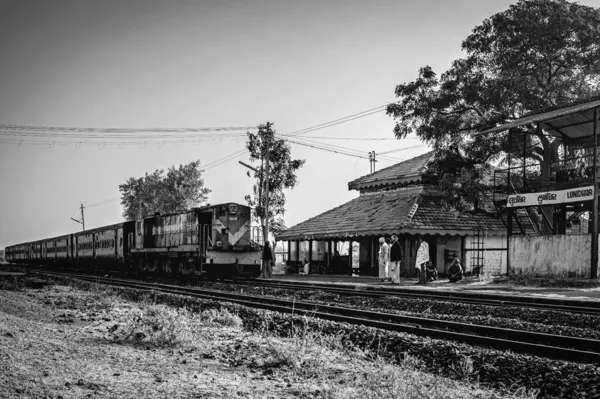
(209, 241)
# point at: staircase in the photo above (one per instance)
(526, 221)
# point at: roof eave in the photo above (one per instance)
(357, 234)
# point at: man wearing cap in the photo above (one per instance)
(384, 256)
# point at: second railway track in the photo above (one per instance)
(588, 307)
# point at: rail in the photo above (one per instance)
(585, 307)
(540, 344)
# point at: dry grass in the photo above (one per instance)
(63, 342)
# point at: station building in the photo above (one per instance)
(402, 199)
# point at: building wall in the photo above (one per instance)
(494, 254)
(562, 255)
(444, 244)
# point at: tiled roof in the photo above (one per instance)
(409, 210)
(403, 172)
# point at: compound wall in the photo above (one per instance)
(558, 255)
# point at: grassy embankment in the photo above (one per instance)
(61, 341)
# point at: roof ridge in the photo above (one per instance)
(413, 168)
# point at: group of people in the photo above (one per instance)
(390, 259)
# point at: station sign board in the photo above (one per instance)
(578, 194)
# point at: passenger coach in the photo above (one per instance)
(214, 240)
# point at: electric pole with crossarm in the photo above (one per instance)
(82, 221)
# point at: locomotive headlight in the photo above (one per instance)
(220, 244)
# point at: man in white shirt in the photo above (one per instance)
(422, 259)
(384, 256)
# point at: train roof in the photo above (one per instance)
(121, 224)
(101, 228)
(199, 208)
(77, 234)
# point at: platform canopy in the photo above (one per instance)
(408, 210)
(570, 121)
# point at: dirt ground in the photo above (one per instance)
(60, 342)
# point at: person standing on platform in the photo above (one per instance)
(267, 260)
(422, 259)
(383, 259)
(395, 260)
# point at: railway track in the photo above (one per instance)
(565, 305)
(540, 344)
(587, 307)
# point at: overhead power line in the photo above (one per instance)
(119, 130)
(338, 121)
(224, 159)
(325, 148)
(78, 136)
(145, 136)
(105, 202)
(401, 149)
(358, 138)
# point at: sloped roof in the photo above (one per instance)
(409, 210)
(404, 172)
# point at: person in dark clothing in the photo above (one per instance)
(431, 272)
(336, 261)
(455, 271)
(267, 260)
(395, 260)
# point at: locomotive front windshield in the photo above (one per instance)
(231, 227)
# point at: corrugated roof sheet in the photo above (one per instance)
(571, 120)
(403, 172)
(409, 210)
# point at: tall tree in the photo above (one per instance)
(536, 54)
(265, 148)
(179, 189)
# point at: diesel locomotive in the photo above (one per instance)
(211, 241)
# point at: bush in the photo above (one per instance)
(221, 317)
(158, 325)
(308, 351)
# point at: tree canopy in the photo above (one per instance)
(536, 54)
(282, 175)
(179, 189)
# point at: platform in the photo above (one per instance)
(468, 284)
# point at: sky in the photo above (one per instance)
(196, 64)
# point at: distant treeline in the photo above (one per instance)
(2, 260)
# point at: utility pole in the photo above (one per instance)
(82, 221)
(372, 161)
(82, 218)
